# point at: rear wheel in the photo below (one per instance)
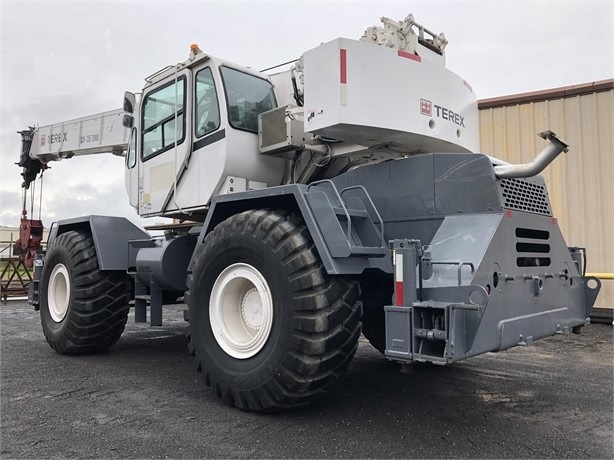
(270, 329)
(83, 309)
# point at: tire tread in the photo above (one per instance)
(99, 306)
(326, 325)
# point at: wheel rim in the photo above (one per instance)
(58, 293)
(241, 311)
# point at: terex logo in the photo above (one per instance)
(426, 107)
(60, 137)
(447, 114)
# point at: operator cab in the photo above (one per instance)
(195, 135)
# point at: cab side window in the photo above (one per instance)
(247, 96)
(159, 127)
(207, 108)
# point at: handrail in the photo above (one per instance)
(370, 201)
(341, 203)
(460, 265)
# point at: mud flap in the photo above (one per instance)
(590, 293)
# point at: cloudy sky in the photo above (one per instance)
(63, 60)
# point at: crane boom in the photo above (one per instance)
(99, 133)
(92, 134)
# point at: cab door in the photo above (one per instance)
(163, 143)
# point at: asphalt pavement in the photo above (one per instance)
(143, 399)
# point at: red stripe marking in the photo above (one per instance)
(508, 213)
(343, 66)
(554, 220)
(398, 293)
(411, 56)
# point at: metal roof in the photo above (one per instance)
(548, 94)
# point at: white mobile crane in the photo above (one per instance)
(316, 203)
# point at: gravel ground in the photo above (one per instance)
(142, 399)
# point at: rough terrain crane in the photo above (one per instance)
(316, 203)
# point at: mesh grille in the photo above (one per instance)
(525, 196)
(273, 127)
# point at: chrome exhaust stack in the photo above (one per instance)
(539, 163)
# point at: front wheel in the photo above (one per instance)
(83, 309)
(270, 329)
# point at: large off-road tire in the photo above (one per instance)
(269, 328)
(83, 309)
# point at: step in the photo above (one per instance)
(367, 251)
(361, 213)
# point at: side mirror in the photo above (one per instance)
(129, 102)
(128, 121)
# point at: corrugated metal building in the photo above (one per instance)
(580, 183)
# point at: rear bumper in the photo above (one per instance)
(517, 284)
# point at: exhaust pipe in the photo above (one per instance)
(539, 163)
